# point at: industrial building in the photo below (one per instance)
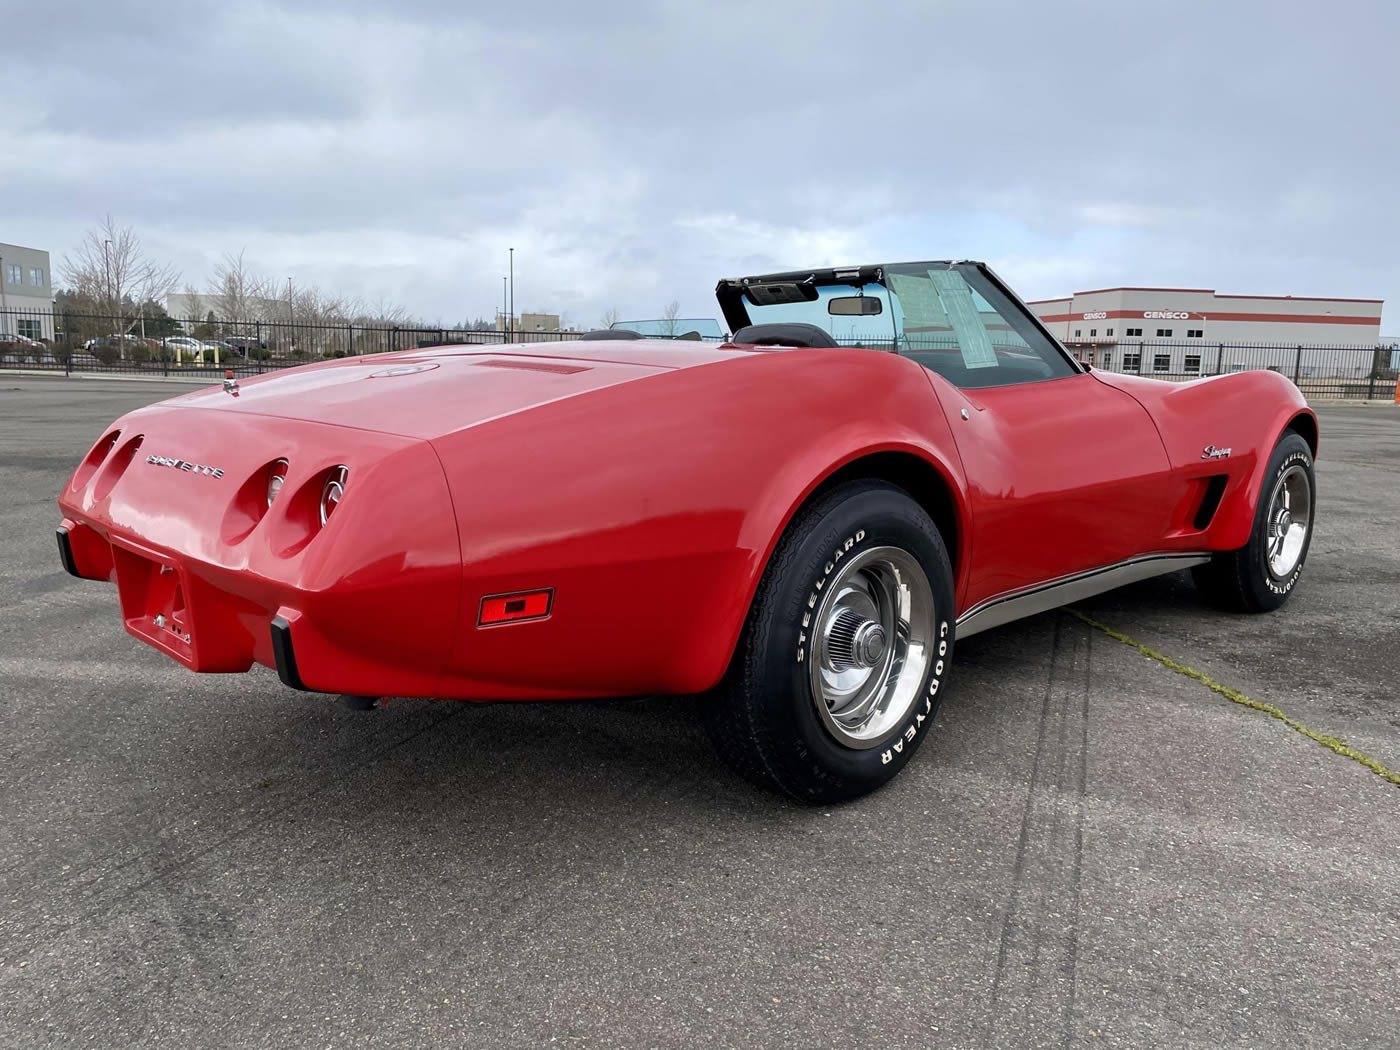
(1111, 315)
(26, 292)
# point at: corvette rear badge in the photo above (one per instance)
(1211, 452)
(185, 465)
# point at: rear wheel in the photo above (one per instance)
(1261, 575)
(845, 654)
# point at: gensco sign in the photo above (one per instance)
(1097, 315)
(1165, 315)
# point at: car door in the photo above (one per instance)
(1065, 474)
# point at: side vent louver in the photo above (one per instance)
(1210, 502)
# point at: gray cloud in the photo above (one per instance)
(633, 153)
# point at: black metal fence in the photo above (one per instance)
(94, 343)
(1320, 371)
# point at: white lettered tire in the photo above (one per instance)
(845, 654)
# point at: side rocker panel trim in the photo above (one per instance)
(1016, 605)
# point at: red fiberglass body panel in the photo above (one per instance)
(632, 493)
(643, 485)
(1246, 413)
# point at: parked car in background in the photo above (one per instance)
(7, 341)
(184, 344)
(115, 339)
(245, 342)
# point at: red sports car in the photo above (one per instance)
(798, 523)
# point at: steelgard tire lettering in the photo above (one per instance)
(815, 594)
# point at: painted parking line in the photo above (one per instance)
(1236, 697)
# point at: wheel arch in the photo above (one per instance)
(928, 481)
(925, 483)
(1304, 424)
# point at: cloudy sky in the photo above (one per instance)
(633, 153)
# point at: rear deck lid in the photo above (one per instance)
(418, 394)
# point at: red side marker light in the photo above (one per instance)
(508, 608)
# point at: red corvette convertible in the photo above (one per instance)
(798, 523)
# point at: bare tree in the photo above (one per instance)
(194, 305)
(236, 292)
(669, 318)
(610, 317)
(113, 271)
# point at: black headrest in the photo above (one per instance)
(792, 333)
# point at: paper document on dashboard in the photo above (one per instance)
(973, 339)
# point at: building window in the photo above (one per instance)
(1106, 358)
(1164, 333)
(1133, 332)
(36, 277)
(13, 274)
(1194, 333)
(1162, 363)
(1131, 362)
(1078, 332)
(1109, 332)
(1193, 363)
(29, 328)
(1093, 332)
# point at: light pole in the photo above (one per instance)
(512, 295)
(291, 319)
(107, 268)
(503, 304)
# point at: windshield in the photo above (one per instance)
(950, 317)
(674, 328)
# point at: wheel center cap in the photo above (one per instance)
(871, 643)
(1283, 521)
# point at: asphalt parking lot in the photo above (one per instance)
(1094, 850)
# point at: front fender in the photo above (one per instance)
(1245, 412)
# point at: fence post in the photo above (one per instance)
(349, 339)
(1219, 358)
(1375, 368)
(1142, 352)
(1297, 365)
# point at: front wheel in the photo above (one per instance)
(845, 654)
(1261, 575)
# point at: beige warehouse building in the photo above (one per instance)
(1109, 315)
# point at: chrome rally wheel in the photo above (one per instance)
(1289, 520)
(842, 662)
(874, 641)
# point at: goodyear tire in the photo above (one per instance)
(1261, 575)
(845, 654)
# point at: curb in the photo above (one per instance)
(1334, 402)
(38, 373)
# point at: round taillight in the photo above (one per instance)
(333, 491)
(276, 476)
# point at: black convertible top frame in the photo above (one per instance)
(730, 292)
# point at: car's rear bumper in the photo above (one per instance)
(213, 576)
